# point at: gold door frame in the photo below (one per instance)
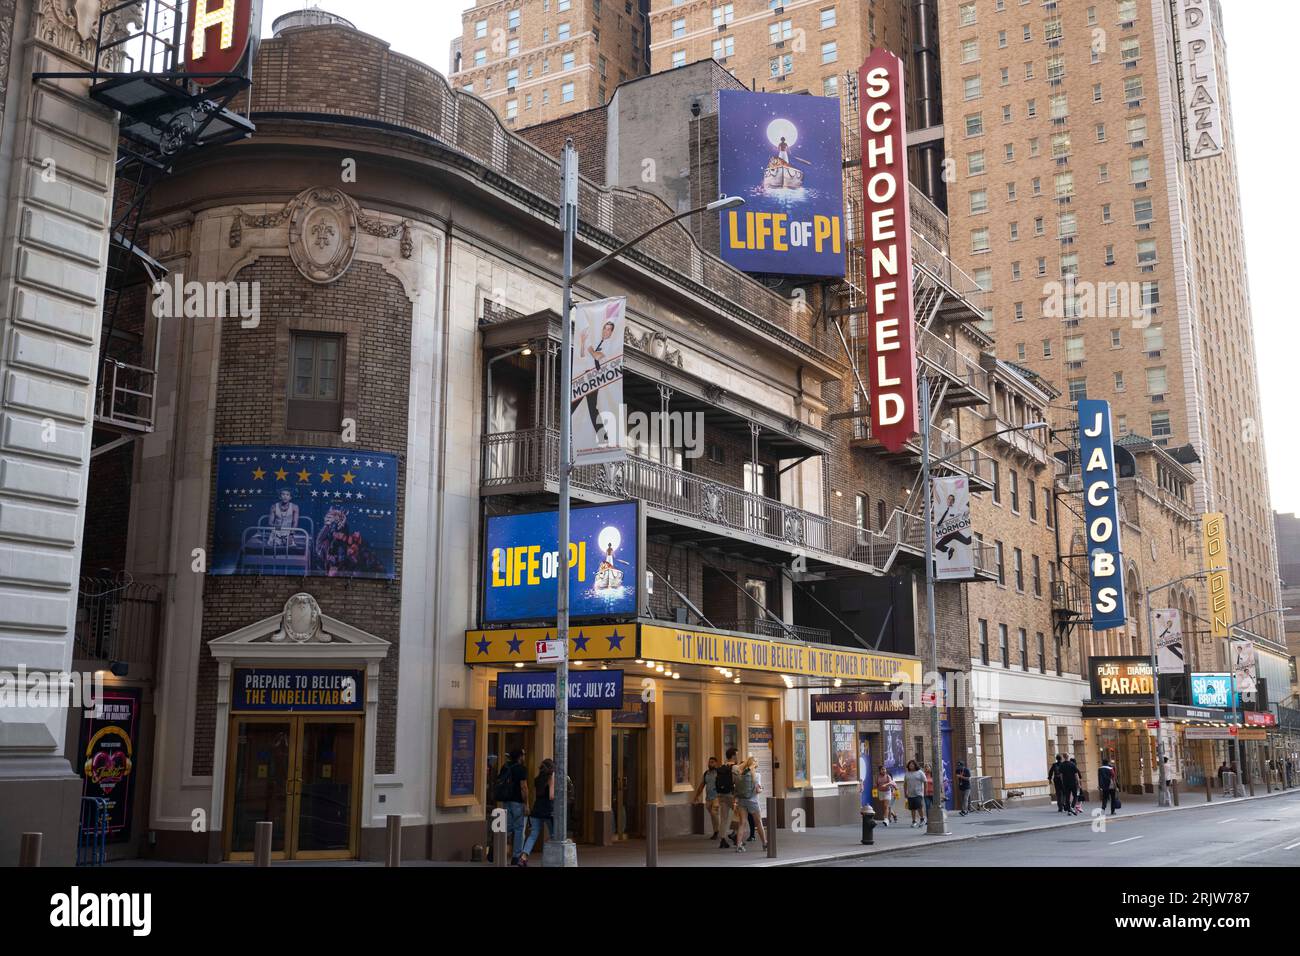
(293, 791)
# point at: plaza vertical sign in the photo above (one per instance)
(1101, 514)
(1214, 549)
(891, 346)
(1198, 79)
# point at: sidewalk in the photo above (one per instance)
(822, 844)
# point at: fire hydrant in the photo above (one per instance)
(868, 824)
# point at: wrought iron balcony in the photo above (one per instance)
(527, 461)
(118, 622)
(972, 462)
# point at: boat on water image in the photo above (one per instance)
(781, 175)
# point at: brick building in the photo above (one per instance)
(535, 60)
(1114, 263)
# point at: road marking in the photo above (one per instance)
(1269, 849)
(1292, 846)
(1229, 820)
(1129, 840)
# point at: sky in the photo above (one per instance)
(1259, 45)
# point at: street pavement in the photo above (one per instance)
(1261, 832)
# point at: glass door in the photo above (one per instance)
(326, 789)
(260, 785)
(627, 762)
(580, 756)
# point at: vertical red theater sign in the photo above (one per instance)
(221, 37)
(891, 346)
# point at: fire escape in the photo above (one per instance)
(165, 111)
(943, 298)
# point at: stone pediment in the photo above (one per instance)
(300, 631)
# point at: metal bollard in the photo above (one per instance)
(1208, 798)
(772, 827)
(652, 835)
(394, 840)
(262, 843)
(29, 849)
(1173, 790)
(868, 825)
(500, 856)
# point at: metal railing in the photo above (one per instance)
(92, 832)
(944, 357)
(770, 628)
(973, 462)
(117, 620)
(125, 395)
(531, 456)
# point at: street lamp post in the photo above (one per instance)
(1163, 796)
(936, 824)
(560, 850)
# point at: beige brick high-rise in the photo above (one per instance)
(1066, 165)
(537, 60)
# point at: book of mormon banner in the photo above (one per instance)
(307, 512)
(950, 508)
(596, 392)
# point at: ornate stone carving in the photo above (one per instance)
(713, 393)
(654, 344)
(72, 26)
(323, 233)
(331, 219)
(301, 621)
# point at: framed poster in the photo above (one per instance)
(726, 734)
(844, 758)
(680, 742)
(1024, 751)
(799, 754)
(108, 752)
(461, 757)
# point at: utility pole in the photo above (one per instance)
(560, 850)
(936, 823)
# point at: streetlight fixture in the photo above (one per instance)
(560, 850)
(936, 824)
(1155, 675)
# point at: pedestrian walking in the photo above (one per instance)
(748, 786)
(543, 812)
(1067, 775)
(1108, 784)
(1080, 793)
(511, 790)
(963, 787)
(708, 788)
(1054, 781)
(929, 791)
(725, 785)
(914, 790)
(885, 788)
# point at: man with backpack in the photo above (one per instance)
(725, 785)
(1108, 784)
(511, 791)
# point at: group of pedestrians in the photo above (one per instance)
(1065, 779)
(730, 792)
(918, 791)
(511, 790)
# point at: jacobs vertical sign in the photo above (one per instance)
(891, 346)
(1101, 514)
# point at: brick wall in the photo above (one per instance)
(371, 309)
(588, 130)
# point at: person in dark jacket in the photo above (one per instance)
(1107, 783)
(1054, 781)
(1067, 776)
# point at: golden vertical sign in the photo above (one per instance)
(1215, 555)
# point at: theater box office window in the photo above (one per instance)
(297, 699)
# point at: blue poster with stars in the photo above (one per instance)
(307, 512)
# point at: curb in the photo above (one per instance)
(863, 854)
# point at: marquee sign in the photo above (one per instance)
(1101, 514)
(1199, 79)
(891, 347)
(1214, 549)
(221, 37)
(858, 707)
(1121, 679)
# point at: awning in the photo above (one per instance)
(702, 648)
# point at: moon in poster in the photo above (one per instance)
(779, 128)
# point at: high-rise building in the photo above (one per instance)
(1110, 240)
(536, 60)
(1288, 558)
